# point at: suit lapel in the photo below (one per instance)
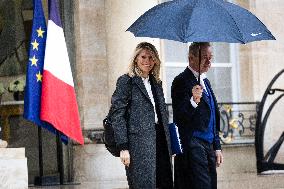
(209, 88)
(190, 77)
(138, 81)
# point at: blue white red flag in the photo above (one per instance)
(58, 100)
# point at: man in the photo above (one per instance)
(197, 116)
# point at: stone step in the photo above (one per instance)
(13, 168)
(15, 153)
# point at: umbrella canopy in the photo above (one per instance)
(200, 21)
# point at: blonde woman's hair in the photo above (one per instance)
(135, 70)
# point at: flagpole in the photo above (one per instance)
(60, 163)
(40, 162)
(43, 180)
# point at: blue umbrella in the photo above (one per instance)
(200, 21)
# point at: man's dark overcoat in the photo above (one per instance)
(188, 120)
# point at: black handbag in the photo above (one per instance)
(108, 134)
(108, 137)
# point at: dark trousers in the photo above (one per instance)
(196, 168)
(164, 178)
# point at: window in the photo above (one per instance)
(222, 75)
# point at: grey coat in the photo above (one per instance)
(133, 121)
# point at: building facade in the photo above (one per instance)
(100, 50)
(104, 48)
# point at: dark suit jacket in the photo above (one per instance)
(138, 128)
(185, 115)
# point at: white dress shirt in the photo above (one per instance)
(202, 77)
(149, 91)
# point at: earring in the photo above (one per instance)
(137, 70)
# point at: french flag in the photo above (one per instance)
(58, 100)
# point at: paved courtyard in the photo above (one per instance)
(243, 181)
(237, 172)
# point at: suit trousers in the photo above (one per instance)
(196, 168)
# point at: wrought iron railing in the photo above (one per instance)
(265, 161)
(237, 121)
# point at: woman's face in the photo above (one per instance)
(145, 61)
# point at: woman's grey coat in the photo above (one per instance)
(138, 128)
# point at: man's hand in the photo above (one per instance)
(197, 93)
(219, 158)
(125, 157)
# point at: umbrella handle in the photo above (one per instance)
(199, 63)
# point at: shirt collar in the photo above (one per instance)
(145, 80)
(195, 73)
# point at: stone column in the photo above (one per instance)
(91, 64)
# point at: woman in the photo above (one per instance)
(140, 121)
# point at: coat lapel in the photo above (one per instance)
(158, 89)
(190, 77)
(161, 104)
(138, 81)
(212, 93)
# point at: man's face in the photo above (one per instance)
(206, 57)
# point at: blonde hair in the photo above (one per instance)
(133, 69)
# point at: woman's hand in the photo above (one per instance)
(125, 157)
